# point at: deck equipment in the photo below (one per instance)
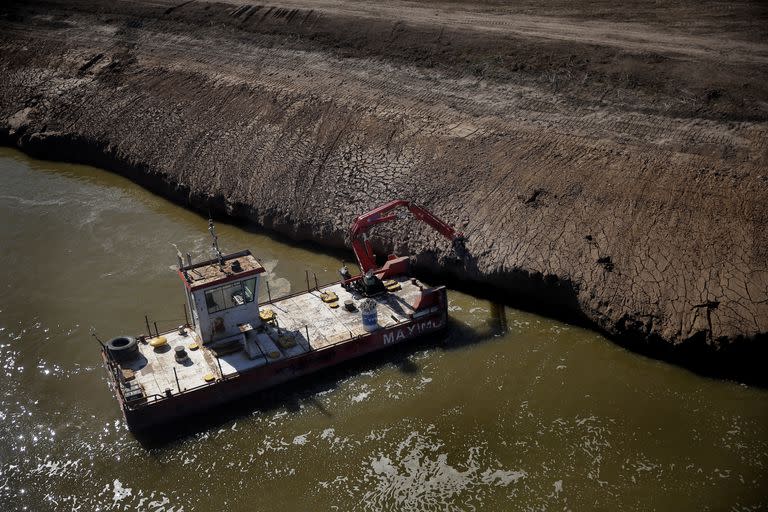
(361, 244)
(230, 344)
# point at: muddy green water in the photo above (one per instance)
(543, 416)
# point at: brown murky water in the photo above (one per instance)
(544, 416)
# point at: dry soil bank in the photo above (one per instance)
(608, 160)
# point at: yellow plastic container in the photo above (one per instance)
(329, 297)
(158, 342)
(267, 315)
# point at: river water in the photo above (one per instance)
(540, 416)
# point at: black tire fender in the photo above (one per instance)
(121, 344)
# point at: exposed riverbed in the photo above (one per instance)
(608, 161)
(540, 415)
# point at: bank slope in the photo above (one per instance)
(613, 167)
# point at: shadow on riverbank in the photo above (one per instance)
(556, 298)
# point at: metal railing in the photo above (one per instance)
(154, 398)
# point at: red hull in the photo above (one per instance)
(142, 416)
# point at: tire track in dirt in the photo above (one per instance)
(627, 209)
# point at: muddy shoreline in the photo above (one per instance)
(740, 360)
(601, 181)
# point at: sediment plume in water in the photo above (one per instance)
(612, 169)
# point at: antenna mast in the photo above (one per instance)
(215, 244)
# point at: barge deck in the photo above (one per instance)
(303, 323)
(232, 345)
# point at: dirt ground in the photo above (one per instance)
(601, 158)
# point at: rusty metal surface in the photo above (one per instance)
(210, 272)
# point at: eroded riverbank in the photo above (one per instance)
(543, 415)
(613, 168)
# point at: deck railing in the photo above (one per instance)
(154, 398)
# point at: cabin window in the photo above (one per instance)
(230, 295)
(214, 299)
(233, 295)
(250, 289)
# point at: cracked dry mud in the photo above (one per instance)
(608, 161)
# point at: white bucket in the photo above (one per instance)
(370, 315)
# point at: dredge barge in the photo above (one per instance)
(233, 345)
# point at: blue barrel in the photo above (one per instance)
(370, 315)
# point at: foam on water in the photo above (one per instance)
(419, 474)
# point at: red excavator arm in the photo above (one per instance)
(361, 225)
